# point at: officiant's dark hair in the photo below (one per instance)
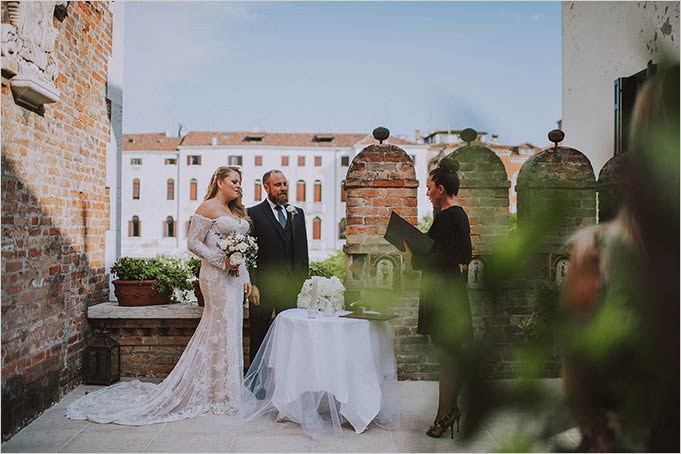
(445, 174)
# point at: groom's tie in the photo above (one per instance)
(280, 216)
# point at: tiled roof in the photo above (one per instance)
(155, 141)
(160, 142)
(491, 145)
(449, 131)
(369, 139)
(273, 139)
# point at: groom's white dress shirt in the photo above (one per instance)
(273, 207)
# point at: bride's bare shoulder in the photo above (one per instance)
(207, 209)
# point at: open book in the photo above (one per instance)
(399, 230)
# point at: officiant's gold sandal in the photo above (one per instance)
(440, 426)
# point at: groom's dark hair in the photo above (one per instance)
(266, 176)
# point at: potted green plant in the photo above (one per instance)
(194, 264)
(144, 282)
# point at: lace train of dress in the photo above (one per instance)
(208, 378)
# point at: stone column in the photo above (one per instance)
(381, 179)
(559, 182)
(483, 192)
(610, 180)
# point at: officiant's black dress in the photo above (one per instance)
(444, 311)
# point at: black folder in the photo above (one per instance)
(399, 230)
(369, 316)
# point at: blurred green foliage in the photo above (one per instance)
(331, 266)
(512, 223)
(425, 223)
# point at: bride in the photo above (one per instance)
(208, 378)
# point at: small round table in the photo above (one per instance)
(321, 371)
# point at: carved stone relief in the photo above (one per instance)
(561, 269)
(385, 273)
(475, 270)
(28, 50)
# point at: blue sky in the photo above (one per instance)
(344, 67)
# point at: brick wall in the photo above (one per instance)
(483, 194)
(55, 210)
(381, 179)
(612, 180)
(150, 347)
(560, 178)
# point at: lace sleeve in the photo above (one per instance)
(198, 230)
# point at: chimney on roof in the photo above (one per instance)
(495, 138)
(417, 136)
(167, 132)
(214, 141)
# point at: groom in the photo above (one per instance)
(282, 260)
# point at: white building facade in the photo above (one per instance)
(602, 42)
(165, 180)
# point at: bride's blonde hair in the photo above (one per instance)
(236, 206)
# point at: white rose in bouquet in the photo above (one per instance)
(237, 258)
(241, 249)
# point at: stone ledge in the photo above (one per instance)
(112, 310)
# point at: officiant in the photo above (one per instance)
(283, 261)
(444, 311)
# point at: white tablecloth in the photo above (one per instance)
(319, 372)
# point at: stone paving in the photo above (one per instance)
(52, 432)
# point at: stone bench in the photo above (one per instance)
(152, 338)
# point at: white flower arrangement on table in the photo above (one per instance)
(319, 291)
(240, 249)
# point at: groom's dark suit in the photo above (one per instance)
(282, 267)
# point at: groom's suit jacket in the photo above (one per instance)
(282, 266)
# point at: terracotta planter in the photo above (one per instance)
(197, 293)
(138, 293)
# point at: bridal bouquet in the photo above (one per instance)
(322, 292)
(240, 249)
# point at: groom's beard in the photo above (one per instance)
(280, 199)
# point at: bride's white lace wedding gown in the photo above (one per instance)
(208, 377)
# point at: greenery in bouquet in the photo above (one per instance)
(194, 264)
(168, 273)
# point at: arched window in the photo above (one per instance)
(169, 227)
(300, 191)
(170, 189)
(317, 228)
(341, 229)
(317, 191)
(135, 227)
(257, 191)
(344, 194)
(193, 188)
(136, 189)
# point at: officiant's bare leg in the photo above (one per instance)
(450, 384)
